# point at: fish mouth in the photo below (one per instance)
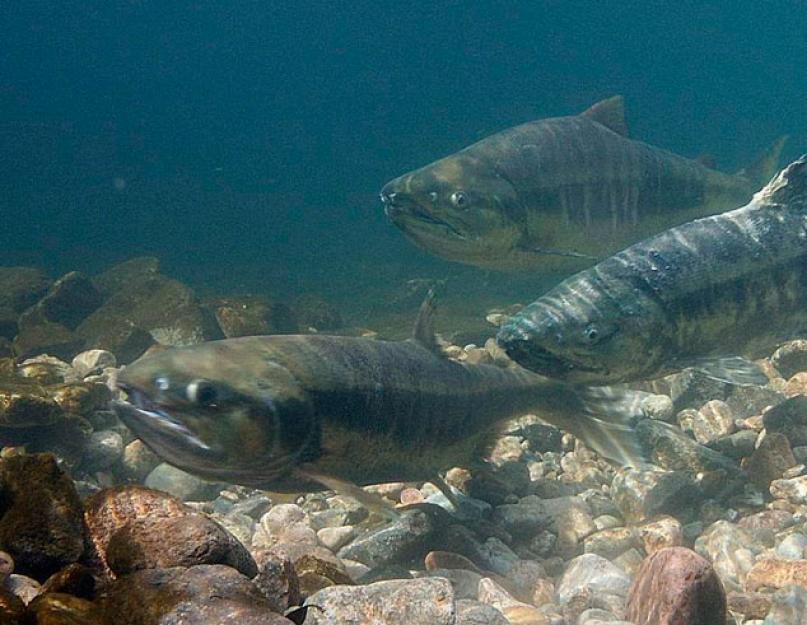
(150, 422)
(405, 212)
(543, 361)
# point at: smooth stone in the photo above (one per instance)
(24, 587)
(641, 494)
(54, 608)
(792, 547)
(178, 483)
(424, 601)
(104, 448)
(676, 586)
(790, 418)
(6, 566)
(661, 533)
(793, 490)
(138, 460)
(713, 421)
(471, 612)
(658, 407)
(790, 358)
(752, 605)
(91, 362)
(730, 549)
(611, 542)
(336, 537)
(591, 573)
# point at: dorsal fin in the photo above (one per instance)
(788, 188)
(610, 113)
(423, 331)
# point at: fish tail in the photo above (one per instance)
(788, 188)
(606, 423)
(761, 170)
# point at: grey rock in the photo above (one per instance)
(178, 483)
(571, 522)
(103, 449)
(770, 460)
(658, 407)
(138, 460)
(788, 607)
(92, 362)
(523, 519)
(464, 582)
(737, 445)
(792, 546)
(791, 358)
(424, 601)
(793, 489)
(593, 574)
(731, 550)
(790, 418)
(610, 543)
(470, 612)
(641, 494)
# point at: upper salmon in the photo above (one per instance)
(557, 194)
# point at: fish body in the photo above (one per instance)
(556, 194)
(284, 411)
(727, 285)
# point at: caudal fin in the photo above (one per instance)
(788, 188)
(761, 171)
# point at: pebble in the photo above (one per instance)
(658, 407)
(676, 586)
(178, 483)
(641, 494)
(713, 421)
(24, 587)
(770, 460)
(791, 358)
(103, 449)
(792, 547)
(610, 543)
(797, 385)
(661, 533)
(336, 537)
(523, 519)
(424, 601)
(91, 362)
(590, 573)
(730, 549)
(793, 490)
(277, 579)
(471, 612)
(572, 523)
(775, 573)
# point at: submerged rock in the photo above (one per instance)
(676, 586)
(425, 601)
(56, 608)
(251, 316)
(41, 523)
(731, 550)
(788, 607)
(791, 358)
(199, 595)
(314, 312)
(770, 460)
(776, 573)
(592, 574)
(789, 418)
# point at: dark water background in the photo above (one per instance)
(244, 142)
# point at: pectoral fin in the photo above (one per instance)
(374, 503)
(735, 370)
(554, 251)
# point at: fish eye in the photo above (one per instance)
(433, 196)
(162, 383)
(201, 392)
(592, 333)
(459, 199)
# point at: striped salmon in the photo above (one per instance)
(713, 289)
(555, 194)
(288, 412)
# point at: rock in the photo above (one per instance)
(393, 542)
(775, 573)
(470, 612)
(610, 543)
(788, 607)
(789, 418)
(737, 445)
(713, 421)
(770, 460)
(42, 526)
(44, 369)
(92, 362)
(424, 601)
(335, 537)
(523, 519)
(528, 578)
(767, 519)
(154, 304)
(55, 608)
(81, 398)
(314, 312)
(594, 574)
(114, 509)
(68, 301)
(792, 546)
(276, 579)
(676, 586)
(199, 595)
(64, 439)
(24, 404)
(12, 609)
(793, 489)
(791, 358)
(104, 448)
(122, 275)
(188, 540)
(752, 605)
(730, 549)
(21, 287)
(74, 579)
(495, 595)
(36, 335)
(251, 316)
(138, 460)
(571, 522)
(6, 566)
(797, 385)
(661, 533)
(658, 407)
(24, 587)
(178, 483)
(641, 494)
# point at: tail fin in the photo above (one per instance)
(788, 188)
(761, 171)
(607, 423)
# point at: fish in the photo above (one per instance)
(294, 412)
(558, 194)
(709, 294)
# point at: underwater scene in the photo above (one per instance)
(415, 313)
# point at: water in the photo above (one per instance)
(244, 143)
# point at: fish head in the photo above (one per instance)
(459, 208)
(218, 410)
(595, 341)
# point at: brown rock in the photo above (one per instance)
(132, 271)
(74, 579)
(789, 418)
(12, 609)
(661, 533)
(797, 385)
(69, 300)
(37, 335)
(21, 287)
(791, 358)
(276, 579)
(767, 519)
(62, 609)
(188, 540)
(41, 523)
(448, 560)
(200, 595)
(676, 586)
(114, 508)
(81, 398)
(752, 605)
(772, 458)
(26, 404)
(774, 573)
(251, 316)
